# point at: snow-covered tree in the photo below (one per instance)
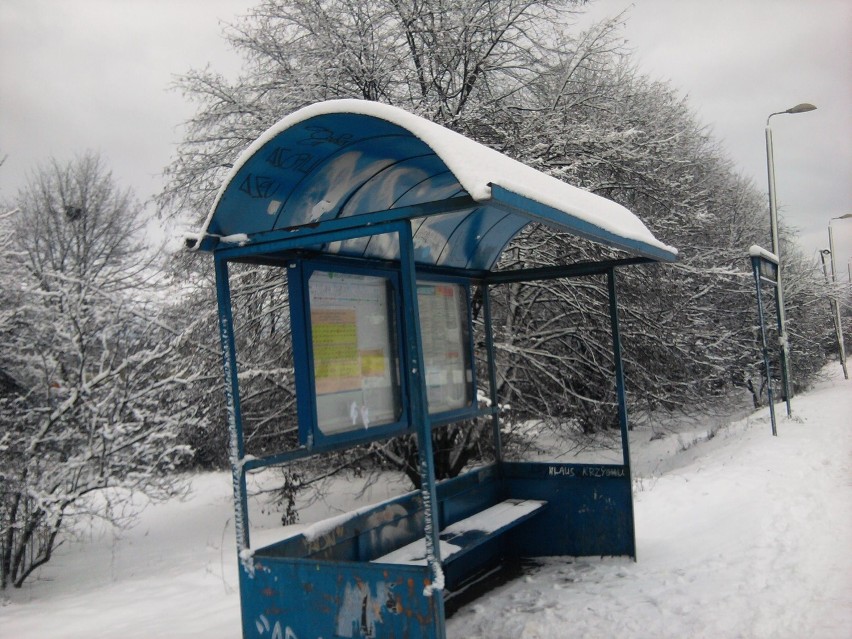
(688, 328)
(516, 76)
(91, 402)
(451, 61)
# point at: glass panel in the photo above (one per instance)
(768, 270)
(264, 346)
(353, 334)
(444, 330)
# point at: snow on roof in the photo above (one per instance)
(475, 167)
(756, 251)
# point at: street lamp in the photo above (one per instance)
(835, 311)
(773, 219)
(838, 326)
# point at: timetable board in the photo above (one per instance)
(354, 359)
(355, 339)
(443, 329)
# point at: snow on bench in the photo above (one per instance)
(466, 534)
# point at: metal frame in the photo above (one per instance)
(416, 408)
(418, 416)
(310, 435)
(766, 270)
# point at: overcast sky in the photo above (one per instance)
(740, 60)
(83, 75)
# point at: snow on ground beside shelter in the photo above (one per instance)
(742, 535)
(752, 539)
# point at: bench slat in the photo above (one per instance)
(466, 534)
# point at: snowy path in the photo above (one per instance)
(752, 539)
(745, 535)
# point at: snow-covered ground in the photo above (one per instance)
(739, 535)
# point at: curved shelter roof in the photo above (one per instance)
(329, 163)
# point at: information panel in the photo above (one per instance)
(353, 335)
(444, 330)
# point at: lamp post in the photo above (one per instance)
(838, 326)
(773, 219)
(835, 311)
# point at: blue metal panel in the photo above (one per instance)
(360, 173)
(589, 509)
(371, 533)
(469, 493)
(319, 599)
(325, 585)
(255, 198)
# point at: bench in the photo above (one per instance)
(466, 534)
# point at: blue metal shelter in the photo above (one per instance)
(400, 205)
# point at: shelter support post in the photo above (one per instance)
(420, 419)
(492, 371)
(236, 441)
(620, 387)
(619, 366)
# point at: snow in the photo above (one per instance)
(756, 251)
(474, 165)
(496, 517)
(740, 534)
(487, 521)
(323, 527)
(235, 238)
(415, 553)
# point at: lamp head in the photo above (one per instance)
(804, 107)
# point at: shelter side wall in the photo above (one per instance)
(589, 513)
(467, 494)
(357, 536)
(372, 533)
(589, 509)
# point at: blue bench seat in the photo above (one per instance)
(466, 534)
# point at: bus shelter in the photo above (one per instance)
(384, 222)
